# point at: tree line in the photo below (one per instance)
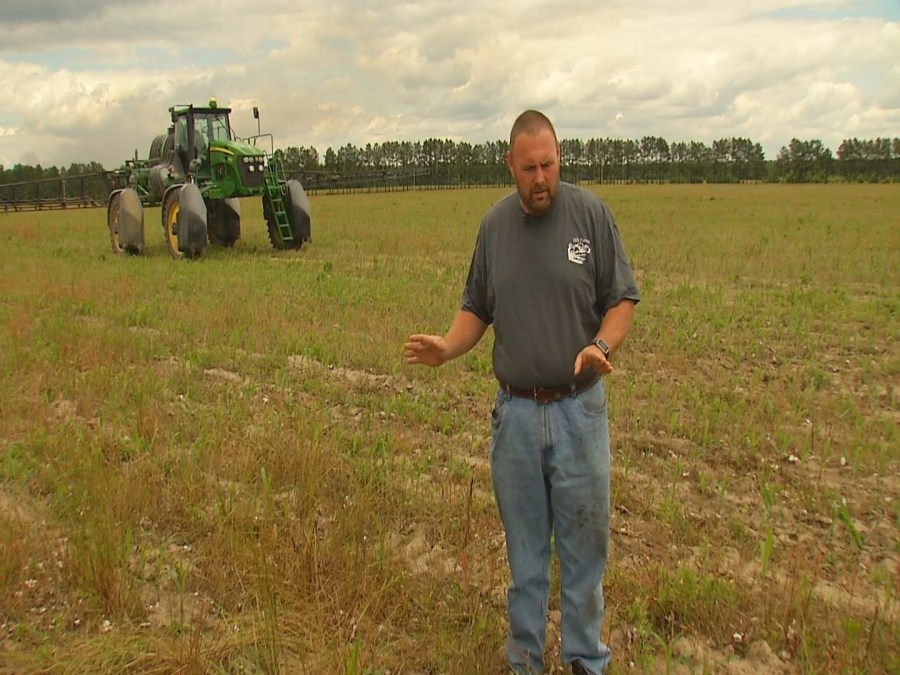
(651, 159)
(446, 163)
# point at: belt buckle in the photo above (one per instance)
(544, 396)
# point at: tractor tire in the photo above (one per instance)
(224, 221)
(278, 242)
(125, 218)
(170, 210)
(297, 206)
(298, 210)
(112, 219)
(157, 148)
(184, 222)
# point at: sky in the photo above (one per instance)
(92, 80)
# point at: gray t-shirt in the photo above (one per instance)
(545, 284)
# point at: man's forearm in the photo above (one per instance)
(616, 325)
(464, 333)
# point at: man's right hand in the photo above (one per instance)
(434, 350)
(431, 350)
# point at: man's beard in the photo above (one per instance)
(548, 194)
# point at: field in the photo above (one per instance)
(224, 465)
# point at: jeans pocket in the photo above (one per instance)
(593, 401)
(500, 405)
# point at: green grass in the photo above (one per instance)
(224, 465)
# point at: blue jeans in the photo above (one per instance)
(550, 467)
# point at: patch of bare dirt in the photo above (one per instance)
(349, 375)
(227, 376)
(18, 506)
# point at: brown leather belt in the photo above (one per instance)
(549, 394)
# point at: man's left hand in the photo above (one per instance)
(592, 357)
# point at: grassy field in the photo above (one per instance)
(224, 465)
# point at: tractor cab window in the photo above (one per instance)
(181, 133)
(212, 127)
(219, 127)
(181, 142)
(202, 134)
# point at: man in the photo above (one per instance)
(551, 275)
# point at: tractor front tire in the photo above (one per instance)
(183, 207)
(297, 208)
(279, 243)
(171, 206)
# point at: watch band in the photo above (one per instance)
(603, 347)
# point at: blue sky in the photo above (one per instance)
(884, 9)
(92, 80)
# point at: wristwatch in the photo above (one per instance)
(603, 347)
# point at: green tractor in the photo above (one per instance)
(198, 172)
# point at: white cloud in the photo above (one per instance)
(96, 84)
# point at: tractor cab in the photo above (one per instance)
(210, 153)
(197, 130)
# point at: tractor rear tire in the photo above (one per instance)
(125, 218)
(224, 221)
(112, 219)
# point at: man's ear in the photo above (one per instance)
(509, 164)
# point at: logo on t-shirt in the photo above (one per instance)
(579, 250)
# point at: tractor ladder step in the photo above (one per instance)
(276, 198)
